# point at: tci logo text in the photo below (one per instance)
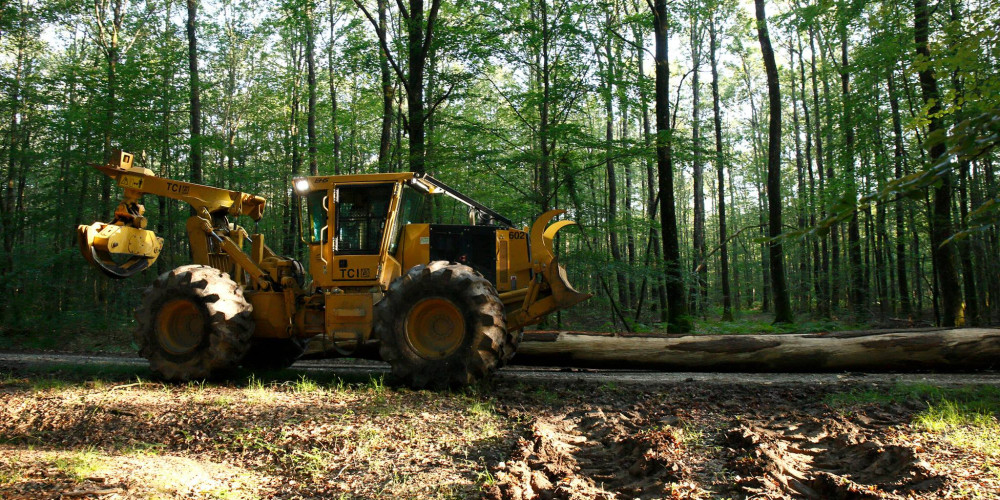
(362, 273)
(178, 188)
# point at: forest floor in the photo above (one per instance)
(105, 431)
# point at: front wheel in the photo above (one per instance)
(442, 325)
(193, 322)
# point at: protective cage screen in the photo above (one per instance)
(361, 215)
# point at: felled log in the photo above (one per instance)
(877, 350)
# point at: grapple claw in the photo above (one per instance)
(118, 251)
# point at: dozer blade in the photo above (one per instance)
(118, 251)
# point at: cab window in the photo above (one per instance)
(411, 210)
(362, 212)
(318, 212)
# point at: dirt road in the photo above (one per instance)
(522, 373)
(531, 433)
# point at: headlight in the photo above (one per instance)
(301, 185)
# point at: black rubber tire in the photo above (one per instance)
(227, 329)
(272, 354)
(485, 346)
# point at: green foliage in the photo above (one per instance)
(518, 93)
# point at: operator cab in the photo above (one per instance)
(366, 230)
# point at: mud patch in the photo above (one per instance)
(829, 457)
(596, 453)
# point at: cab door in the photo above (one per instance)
(362, 218)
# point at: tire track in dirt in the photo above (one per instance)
(588, 453)
(828, 457)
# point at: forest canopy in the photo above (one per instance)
(660, 126)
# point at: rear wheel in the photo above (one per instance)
(193, 322)
(442, 325)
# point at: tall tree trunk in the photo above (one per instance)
(699, 293)
(609, 164)
(944, 260)
(657, 286)
(13, 155)
(830, 192)
(291, 239)
(817, 269)
(543, 111)
(192, 11)
(824, 298)
(677, 320)
(311, 82)
(964, 246)
(385, 138)
(782, 306)
(333, 92)
(898, 154)
(859, 295)
(720, 166)
(802, 288)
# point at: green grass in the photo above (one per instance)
(79, 465)
(967, 426)
(306, 385)
(964, 416)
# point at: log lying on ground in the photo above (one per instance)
(878, 350)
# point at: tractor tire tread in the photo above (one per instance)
(487, 347)
(229, 320)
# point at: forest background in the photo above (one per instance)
(665, 129)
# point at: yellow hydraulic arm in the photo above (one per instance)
(124, 246)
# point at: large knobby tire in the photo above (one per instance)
(193, 322)
(273, 354)
(442, 325)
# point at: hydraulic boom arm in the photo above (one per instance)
(124, 246)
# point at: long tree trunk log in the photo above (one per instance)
(881, 350)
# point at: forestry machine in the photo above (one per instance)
(443, 304)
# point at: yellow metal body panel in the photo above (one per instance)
(271, 318)
(414, 246)
(212, 199)
(513, 260)
(349, 316)
(128, 240)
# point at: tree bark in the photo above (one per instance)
(824, 305)
(311, 82)
(720, 165)
(677, 320)
(858, 292)
(878, 350)
(944, 260)
(192, 12)
(609, 165)
(699, 295)
(333, 93)
(898, 153)
(782, 306)
(385, 138)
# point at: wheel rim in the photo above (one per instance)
(435, 328)
(180, 326)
